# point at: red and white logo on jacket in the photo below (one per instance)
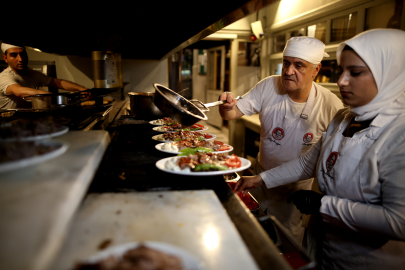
(330, 162)
(278, 133)
(308, 137)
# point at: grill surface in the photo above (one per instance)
(129, 163)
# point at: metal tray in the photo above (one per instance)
(235, 177)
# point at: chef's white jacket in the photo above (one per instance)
(288, 130)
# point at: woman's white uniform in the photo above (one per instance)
(362, 177)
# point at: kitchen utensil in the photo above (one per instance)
(46, 101)
(101, 117)
(143, 106)
(183, 111)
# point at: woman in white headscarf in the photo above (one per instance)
(360, 160)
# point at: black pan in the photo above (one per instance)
(177, 107)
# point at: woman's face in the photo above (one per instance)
(356, 83)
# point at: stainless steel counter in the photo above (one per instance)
(192, 220)
(37, 203)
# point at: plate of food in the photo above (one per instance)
(203, 164)
(177, 127)
(163, 122)
(186, 147)
(30, 130)
(16, 155)
(181, 135)
(137, 255)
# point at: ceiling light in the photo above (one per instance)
(257, 29)
(221, 36)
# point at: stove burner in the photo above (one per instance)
(130, 121)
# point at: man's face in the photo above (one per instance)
(297, 74)
(16, 58)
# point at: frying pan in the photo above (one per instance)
(46, 101)
(184, 111)
(59, 100)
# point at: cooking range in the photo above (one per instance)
(129, 163)
(128, 166)
(75, 117)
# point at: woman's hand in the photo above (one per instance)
(307, 201)
(248, 182)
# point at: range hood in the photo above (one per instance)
(146, 30)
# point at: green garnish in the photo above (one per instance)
(209, 167)
(191, 129)
(201, 138)
(193, 151)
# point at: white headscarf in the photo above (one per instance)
(5, 47)
(384, 52)
(309, 49)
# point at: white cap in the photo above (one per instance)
(309, 49)
(5, 47)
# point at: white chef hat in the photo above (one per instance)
(5, 47)
(309, 49)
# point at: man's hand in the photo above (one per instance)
(228, 110)
(307, 201)
(248, 182)
(66, 85)
(231, 101)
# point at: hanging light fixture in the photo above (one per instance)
(257, 29)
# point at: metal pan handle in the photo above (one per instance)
(29, 100)
(216, 103)
(199, 105)
(204, 107)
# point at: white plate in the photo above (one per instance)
(190, 262)
(59, 131)
(160, 164)
(161, 129)
(17, 164)
(156, 138)
(160, 145)
(153, 123)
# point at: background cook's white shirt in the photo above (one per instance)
(33, 79)
(269, 95)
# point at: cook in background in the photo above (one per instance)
(293, 111)
(359, 162)
(17, 81)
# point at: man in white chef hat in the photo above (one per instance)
(18, 81)
(293, 112)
